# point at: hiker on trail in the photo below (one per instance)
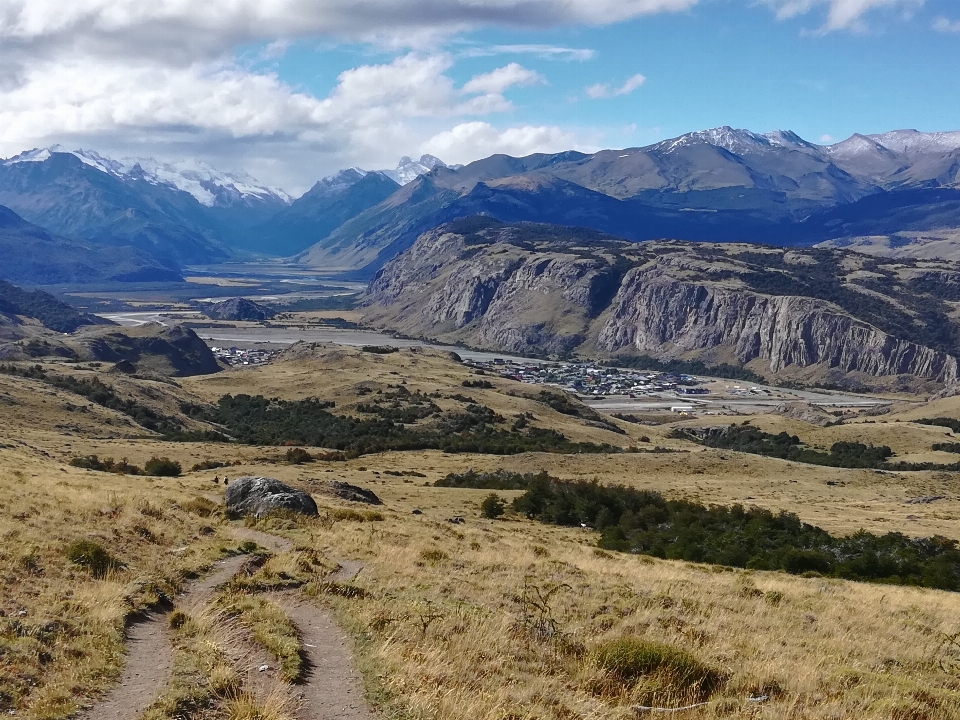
(216, 479)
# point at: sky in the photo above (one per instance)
(293, 90)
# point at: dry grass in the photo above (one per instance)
(489, 620)
(473, 622)
(270, 628)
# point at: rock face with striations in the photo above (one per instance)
(239, 309)
(259, 496)
(543, 289)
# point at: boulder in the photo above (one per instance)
(258, 496)
(346, 491)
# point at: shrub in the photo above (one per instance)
(492, 506)
(298, 456)
(200, 506)
(433, 556)
(162, 467)
(92, 462)
(92, 556)
(208, 465)
(627, 660)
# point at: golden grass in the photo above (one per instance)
(453, 625)
(451, 621)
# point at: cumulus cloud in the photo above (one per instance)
(945, 25)
(468, 141)
(841, 14)
(603, 90)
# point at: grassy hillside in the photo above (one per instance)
(511, 617)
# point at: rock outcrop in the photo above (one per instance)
(519, 289)
(239, 309)
(259, 496)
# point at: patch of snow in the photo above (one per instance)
(409, 170)
(207, 184)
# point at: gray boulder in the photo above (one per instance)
(258, 496)
(353, 493)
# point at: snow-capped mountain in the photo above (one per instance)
(211, 187)
(409, 170)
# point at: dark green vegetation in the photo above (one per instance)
(496, 480)
(394, 424)
(492, 506)
(744, 438)
(107, 464)
(626, 660)
(641, 521)
(43, 306)
(947, 447)
(155, 466)
(162, 467)
(92, 556)
(951, 423)
(748, 439)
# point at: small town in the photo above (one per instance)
(235, 356)
(594, 380)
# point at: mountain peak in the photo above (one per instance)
(409, 170)
(730, 139)
(208, 185)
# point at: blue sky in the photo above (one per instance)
(295, 89)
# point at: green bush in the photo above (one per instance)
(644, 522)
(92, 462)
(92, 556)
(492, 506)
(298, 456)
(627, 660)
(162, 467)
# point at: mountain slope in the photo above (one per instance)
(327, 205)
(53, 314)
(821, 314)
(34, 256)
(70, 197)
(715, 185)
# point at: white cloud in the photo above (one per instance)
(496, 81)
(841, 14)
(827, 139)
(468, 141)
(543, 51)
(603, 90)
(192, 29)
(945, 25)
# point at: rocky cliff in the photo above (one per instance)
(546, 290)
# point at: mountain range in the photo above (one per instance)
(719, 185)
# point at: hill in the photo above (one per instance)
(800, 313)
(53, 314)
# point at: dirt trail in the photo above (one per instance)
(330, 690)
(149, 657)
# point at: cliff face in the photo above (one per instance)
(501, 288)
(657, 315)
